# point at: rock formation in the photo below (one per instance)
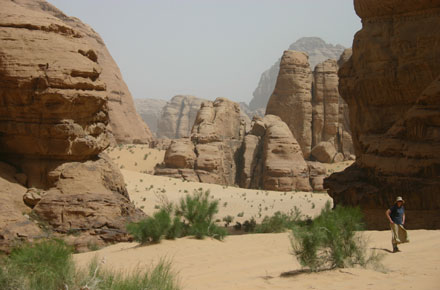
(178, 117)
(392, 87)
(292, 97)
(179, 114)
(53, 125)
(125, 124)
(317, 50)
(311, 106)
(219, 152)
(272, 158)
(210, 153)
(150, 111)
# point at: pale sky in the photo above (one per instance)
(207, 48)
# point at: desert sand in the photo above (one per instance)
(256, 261)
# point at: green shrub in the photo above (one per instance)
(277, 223)
(161, 277)
(49, 265)
(176, 230)
(198, 212)
(151, 229)
(331, 240)
(43, 265)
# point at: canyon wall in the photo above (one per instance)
(391, 85)
(54, 124)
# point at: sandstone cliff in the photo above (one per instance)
(219, 151)
(53, 126)
(311, 106)
(391, 85)
(125, 124)
(178, 116)
(150, 111)
(209, 156)
(317, 50)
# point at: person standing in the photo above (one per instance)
(396, 217)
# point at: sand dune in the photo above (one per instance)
(256, 261)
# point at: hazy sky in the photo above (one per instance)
(207, 48)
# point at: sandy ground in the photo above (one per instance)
(137, 157)
(255, 261)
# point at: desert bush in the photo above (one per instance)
(332, 240)
(277, 223)
(49, 265)
(41, 266)
(161, 277)
(176, 230)
(198, 212)
(151, 229)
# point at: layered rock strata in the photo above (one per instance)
(317, 50)
(392, 88)
(210, 153)
(311, 106)
(220, 152)
(125, 124)
(54, 120)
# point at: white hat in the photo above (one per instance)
(399, 198)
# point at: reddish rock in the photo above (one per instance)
(392, 90)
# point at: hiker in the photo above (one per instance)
(396, 216)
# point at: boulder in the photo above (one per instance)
(392, 87)
(324, 152)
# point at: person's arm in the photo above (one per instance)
(387, 213)
(403, 220)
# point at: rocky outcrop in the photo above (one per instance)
(209, 156)
(53, 116)
(392, 88)
(179, 114)
(178, 117)
(125, 124)
(150, 111)
(15, 223)
(272, 158)
(311, 106)
(292, 97)
(219, 152)
(317, 50)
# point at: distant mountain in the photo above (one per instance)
(318, 51)
(150, 110)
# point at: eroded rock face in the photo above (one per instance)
(314, 115)
(209, 156)
(88, 197)
(317, 50)
(292, 97)
(268, 157)
(150, 111)
(272, 158)
(178, 117)
(392, 88)
(15, 224)
(54, 116)
(125, 124)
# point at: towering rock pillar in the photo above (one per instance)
(391, 85)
